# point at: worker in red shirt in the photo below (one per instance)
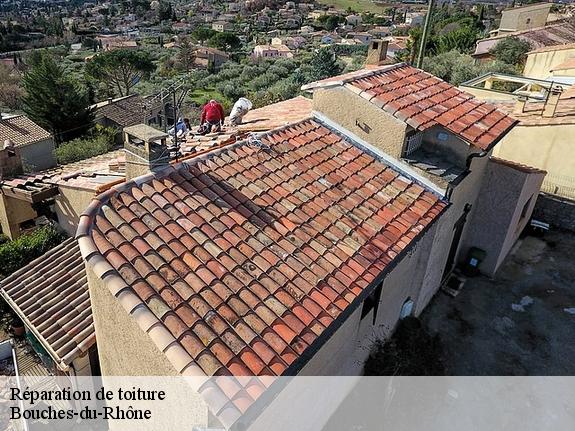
(212, 118)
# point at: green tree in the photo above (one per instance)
(120, 69)
(455, 67)
(187, 55)
(511, 50)
(225, 40)
(54, 101)
(165, 11)
(202, 34)
(324, 64)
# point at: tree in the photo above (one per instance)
(120, 69)
(165, 11)
(10, 91)
(455, 67)
(202, 34)
(225, 40)
(54, 101)
(511, 50)
(324, 64)
(187, 55)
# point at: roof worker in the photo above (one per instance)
(212, 118)
(181, 128)
(240, 109)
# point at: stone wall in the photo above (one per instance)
(558, 212)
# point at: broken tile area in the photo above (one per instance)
(249, 252)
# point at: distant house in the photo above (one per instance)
(353, 20)
(36, 145)
(364, 38)
(291, 42)
(525, 17)
(127, 111)
(271, 51)
(549, 35)
(221, 26)
(210, 57)
(110, 43)
(414, 18)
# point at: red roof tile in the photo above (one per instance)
(264, 278)
(51, 295)
(423, 100)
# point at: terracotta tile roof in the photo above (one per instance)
(51, 295)
(257, 120)
(559, 47)
(21, 131)
(125, 112)
(94, 174)
(550, 35)
(248, 253)
(566, 65)
(518, 166)
(533, 110)
(423, 100)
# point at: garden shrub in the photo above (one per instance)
(99, 141)
(23, 250)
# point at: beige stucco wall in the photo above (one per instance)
(362, 118)
(70, 204)
(517, 19)
(497, 221)
(38, 156)
(12, 213)
(546, 147)
(123, 348)
(539, 64)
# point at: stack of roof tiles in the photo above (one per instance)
(247, 254)
(423, 101)
(51, 295)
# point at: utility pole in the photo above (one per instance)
(426, 28)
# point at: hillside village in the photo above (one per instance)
(263, 188)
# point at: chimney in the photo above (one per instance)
(10, 160)
(146, 150)
(376, 52)
(520, 105)
(552, 101)
(110, 100)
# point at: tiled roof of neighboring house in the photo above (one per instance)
(532, 112)
(550, 35)
(257, 120)
(95, 174)
(127, 111)
(248, 253)
(21, 131)
(552, 48)
(51, 296)
(423, 100)
(518, 166)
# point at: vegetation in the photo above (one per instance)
(411, 351)
(355, 5)
(23, 250)
(10, 90)
(120, 70)
(511, 50)
(455, 67)
(54, 100)
(100, 140)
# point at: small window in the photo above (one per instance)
(372, 303)
(375, 45)
(413, 142)
(406, 309)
